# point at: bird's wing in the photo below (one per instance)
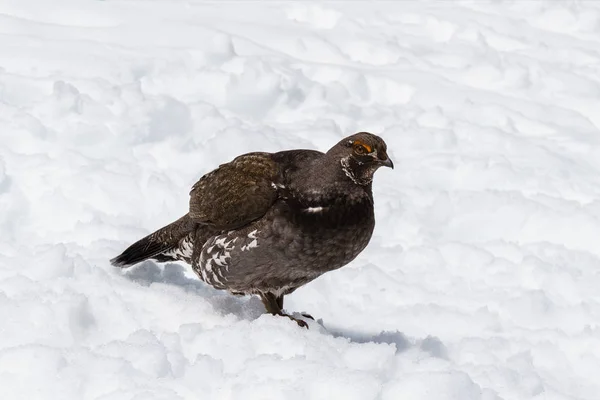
(236, 193)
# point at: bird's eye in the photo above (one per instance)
(358, 149)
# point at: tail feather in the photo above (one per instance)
(155, 244)
(141, 250)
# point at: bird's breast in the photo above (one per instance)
(289, 244)
(329, 235)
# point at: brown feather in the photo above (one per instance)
(236, 193)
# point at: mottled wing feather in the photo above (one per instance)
(236, 193)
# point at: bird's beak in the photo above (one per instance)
(387, 162)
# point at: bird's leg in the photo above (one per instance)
(280, 303)
(274, 306)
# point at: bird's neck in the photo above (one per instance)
(330, 182)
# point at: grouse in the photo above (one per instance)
(268, 223)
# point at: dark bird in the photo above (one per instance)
(268, 223)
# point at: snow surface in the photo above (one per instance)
(482, 281)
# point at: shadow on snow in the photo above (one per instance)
(149, 272)
(250, 307)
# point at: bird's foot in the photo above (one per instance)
(274, 305)
(300, 322)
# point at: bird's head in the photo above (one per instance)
(360, 155)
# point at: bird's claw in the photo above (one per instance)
(300, 322)
(305, 315)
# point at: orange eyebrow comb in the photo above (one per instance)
(366, 146)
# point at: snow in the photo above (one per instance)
(480, 283)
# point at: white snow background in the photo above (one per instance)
(482, 280)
